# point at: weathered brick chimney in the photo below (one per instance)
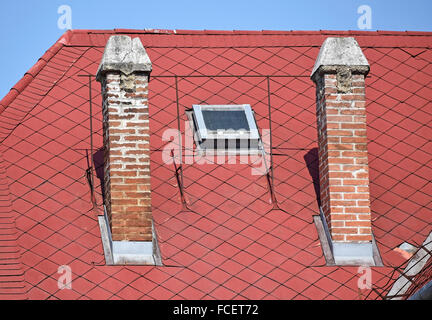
(124, 74)
(339, 74)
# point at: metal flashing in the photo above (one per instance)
(346, 253)
(229, 139)
(128, 252)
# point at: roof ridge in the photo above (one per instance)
(251, 38)
(235, 32)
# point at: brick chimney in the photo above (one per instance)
(124, 74)
(339, 74)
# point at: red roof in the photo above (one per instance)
(230, 241)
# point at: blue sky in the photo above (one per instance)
(30, 27)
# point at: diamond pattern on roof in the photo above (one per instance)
(229, 237)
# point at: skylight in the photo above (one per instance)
(225, 127)
(225, 120)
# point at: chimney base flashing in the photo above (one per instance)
(352, 253)
(133, 252)
(346, 253)
(128, 252)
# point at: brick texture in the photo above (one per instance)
(127, 156)
(343, 157)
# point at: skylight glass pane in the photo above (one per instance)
(225, 120)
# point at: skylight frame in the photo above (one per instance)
(204, 134)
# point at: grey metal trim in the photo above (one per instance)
(128, 252)
(201, 127)
(415, 265)
(253, 130)
(133, 252)
(106, 238)
(325, 243)
(156, 251)
(205, 134)
(376, 253)
(326, 229)
(353, 253)
(203, 151)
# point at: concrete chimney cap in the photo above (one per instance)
(341, 51)
(124, 54)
